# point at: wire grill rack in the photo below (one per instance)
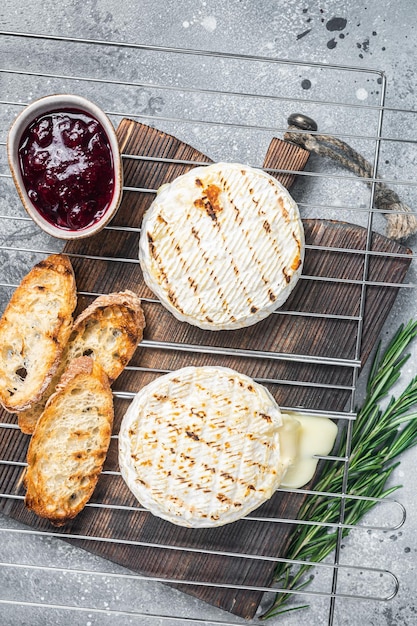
(229, 107)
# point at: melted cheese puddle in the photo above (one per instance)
(302, 437)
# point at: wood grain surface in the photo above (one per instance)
(324, 324)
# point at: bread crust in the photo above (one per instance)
(34, 330)
(69, 446)
(120, 311)
(109, 330)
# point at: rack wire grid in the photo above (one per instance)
(229, 107)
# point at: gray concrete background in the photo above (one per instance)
(374, 35)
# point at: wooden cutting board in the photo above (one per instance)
(108, 262)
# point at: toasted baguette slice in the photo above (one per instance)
(70, 443)
(109, 331)
(34, 330)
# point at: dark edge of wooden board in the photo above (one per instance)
(279, 333)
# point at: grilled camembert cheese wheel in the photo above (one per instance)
(222, 246)
(200, 446)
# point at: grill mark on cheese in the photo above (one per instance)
(192, 434)
(224, 499)
(271, 295)
(220, 292)
(165, 274)
(258, 204)
(185, 476)
(191, 279)
(266, 417)
(297, 260)
(209, 201)
(226, 241)
(229, 455)
(243, 233)
(267, 226)
(212, 197)
(284, 214)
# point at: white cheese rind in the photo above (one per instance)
(200, 446)
(222, 246)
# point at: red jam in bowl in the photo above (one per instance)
(67, 168)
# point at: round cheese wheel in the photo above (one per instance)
(222, 246)
(200, 446)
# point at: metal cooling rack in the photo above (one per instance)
(228, 106)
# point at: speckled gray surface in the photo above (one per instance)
(368, 35)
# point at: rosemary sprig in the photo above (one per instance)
(378, 437)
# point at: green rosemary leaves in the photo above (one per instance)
(380, 434)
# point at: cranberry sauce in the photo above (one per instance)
(67, 168)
